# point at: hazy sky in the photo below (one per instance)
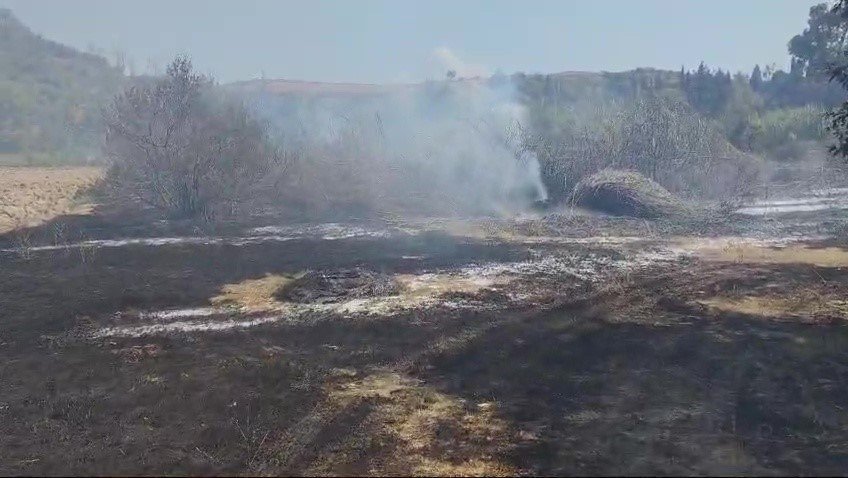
(399, 40)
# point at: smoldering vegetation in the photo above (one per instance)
(449, 148)
(460, 147)
(477, 147)
(442, 148)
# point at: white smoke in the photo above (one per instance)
(437, 147)
(443, 59)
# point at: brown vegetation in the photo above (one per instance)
(753, 252)
(626, 193)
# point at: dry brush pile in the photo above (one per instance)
(627, 193)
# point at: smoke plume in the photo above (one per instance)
(440, 147)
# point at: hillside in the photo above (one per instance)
(314, 88)
(50, 96)
(626, 84)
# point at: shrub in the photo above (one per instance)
(660, 137)
(781, 131)
(181, 147)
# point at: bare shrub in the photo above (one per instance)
(183, 148)
(23, 243)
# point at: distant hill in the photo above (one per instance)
(628, 84)
(291, 104)
(314, 88)
(50, 96)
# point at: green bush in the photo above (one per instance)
(780, 132)
(50, 95)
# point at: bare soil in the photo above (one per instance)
(30, 195)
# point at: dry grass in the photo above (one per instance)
(427, 286)
(805, 304)
(32, 195)
(253, 294)
(626, 193)
(437, 434)
(263, 294)
(749, 252)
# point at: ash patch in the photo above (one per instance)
(327, 287)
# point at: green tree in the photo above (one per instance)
(708, 91)
(821, 44)
(838, 118)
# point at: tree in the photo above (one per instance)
(821, 44)
(181, 147)
(756, 80)
(838, 118)
(708, 91)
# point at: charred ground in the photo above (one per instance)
(608, 350)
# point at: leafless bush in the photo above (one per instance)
(23, 240)
(184, 148)
(347, 172)
(87, 252)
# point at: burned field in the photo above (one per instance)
(456, 269)
(475, 347)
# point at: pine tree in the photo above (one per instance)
(756, 80)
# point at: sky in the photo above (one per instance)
(389, 41)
